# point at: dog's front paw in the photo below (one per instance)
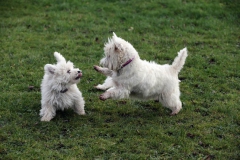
(97, 68)
(103, 97)
(101, 87)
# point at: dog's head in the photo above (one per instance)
(63, 72)
(117, 52)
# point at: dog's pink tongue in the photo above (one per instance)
(79, 74)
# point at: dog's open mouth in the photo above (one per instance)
(79, 75)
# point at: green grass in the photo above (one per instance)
(206, 128)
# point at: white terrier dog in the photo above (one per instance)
(59, 88)
(131, 77)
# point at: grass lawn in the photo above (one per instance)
(208, 127)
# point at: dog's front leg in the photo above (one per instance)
(79, 106)
(108, 83)
(105, 71)
(115, 93)
(47, 112)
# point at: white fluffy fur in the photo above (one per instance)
(139, 79)
(59, 88)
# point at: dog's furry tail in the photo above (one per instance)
(179, 61)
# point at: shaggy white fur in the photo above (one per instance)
(59, 88)
(130, 77)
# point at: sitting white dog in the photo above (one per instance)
(129, 76)
(59, 88)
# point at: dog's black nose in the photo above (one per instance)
(79, 71)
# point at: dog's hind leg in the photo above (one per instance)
(177, 108)
(171, 101)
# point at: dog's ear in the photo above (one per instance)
(49, 68)
(114, 35)
(59, 57)
(119, 47)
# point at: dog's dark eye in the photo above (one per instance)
(68, 71)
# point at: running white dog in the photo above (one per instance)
(131, 77)
(59, 88)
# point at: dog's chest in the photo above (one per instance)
(63, 100)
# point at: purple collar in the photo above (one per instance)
(125, 64)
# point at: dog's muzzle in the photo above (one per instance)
(79, 75)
